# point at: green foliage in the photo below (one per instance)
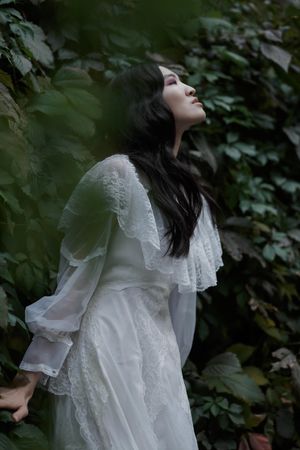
(243, 375)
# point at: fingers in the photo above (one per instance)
(5, 402)
(20, 413)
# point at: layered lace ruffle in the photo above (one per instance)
(122, 191)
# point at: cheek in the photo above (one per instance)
(175, 103)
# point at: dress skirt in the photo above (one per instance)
(121, 386)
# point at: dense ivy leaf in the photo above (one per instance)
(71, 77)
(269, 252)
(6, 443)
(37, 2)
(269, 327)
(11, 201)
(248, 149)
(30, 436)
(223, 104)
(95, 64)
(5, 178)
(237, 384)
(6, 361)
(236, 58)
(282, 252)
(223, 364)
(229, 241)
(66, 54)
(85, 102)
(71, 146)
(290, 186)
(233, 152)
(32, 37)
(81, 125)
(6, 80)
(253, 420)
(214, 22)
(293, 133)
(3, 309)
(273, 35)
(22, 63)
(261, 208)
(24, 276)
(264, 120)
(7, 15)
(238, 245)
(256, 374)
(294, 234)
(277, 55)
(242, 351)
(5, 417)
(232, 137)
(50, 102)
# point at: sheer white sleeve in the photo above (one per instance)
(113, 193)
(183, 315)
(87, 221)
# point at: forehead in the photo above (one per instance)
(167, 72)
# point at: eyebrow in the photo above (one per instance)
(171, 75)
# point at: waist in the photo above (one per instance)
(121, 285)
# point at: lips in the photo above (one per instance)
(197, 101)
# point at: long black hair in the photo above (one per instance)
(139, 123)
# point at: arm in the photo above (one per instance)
(87, 221)
(53, 319)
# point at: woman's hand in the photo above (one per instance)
(17, 395)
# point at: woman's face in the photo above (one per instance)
(180, 98)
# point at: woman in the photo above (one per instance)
(140, 241)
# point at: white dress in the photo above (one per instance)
(112, 339)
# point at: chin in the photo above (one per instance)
(201, 118)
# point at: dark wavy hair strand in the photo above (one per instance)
(140, 124)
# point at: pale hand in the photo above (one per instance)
(17, 395)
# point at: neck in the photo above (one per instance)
(178, 137)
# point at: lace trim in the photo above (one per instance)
(197, 271)
(159, 351)
(47, 371)
(156, 346)
(125, 193)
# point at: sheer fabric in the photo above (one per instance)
(112, 338)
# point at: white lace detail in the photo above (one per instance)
(159, 363)
(131, 205)
(197, 271)
(126, 194)
(157, 343)
(76, 380)
(84, 399)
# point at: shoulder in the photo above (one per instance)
(118, 163)
(117, 167)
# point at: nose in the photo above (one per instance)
(190, 90)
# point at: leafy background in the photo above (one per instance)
(243, 374)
